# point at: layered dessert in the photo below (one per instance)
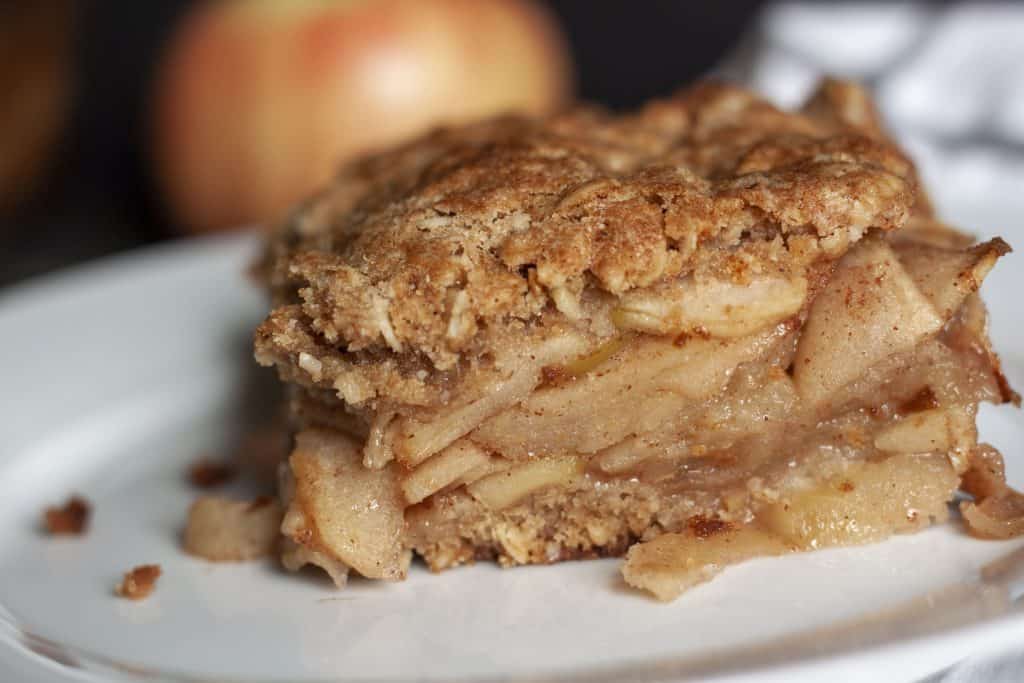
(701, 332)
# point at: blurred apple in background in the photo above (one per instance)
(258, 101)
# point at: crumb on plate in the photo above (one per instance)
(139, 582)
(70, 519)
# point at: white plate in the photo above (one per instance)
(118, 374)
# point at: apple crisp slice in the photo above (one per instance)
(705, 331)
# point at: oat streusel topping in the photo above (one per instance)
(427, 250)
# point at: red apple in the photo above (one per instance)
(258, 101)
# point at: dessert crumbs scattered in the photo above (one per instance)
(207, 474)
(70, 519)
(139, 582)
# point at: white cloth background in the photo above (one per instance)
(949, 81)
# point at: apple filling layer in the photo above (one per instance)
(849, 420)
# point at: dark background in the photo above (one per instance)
(97, 197)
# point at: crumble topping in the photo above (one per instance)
(426, 249)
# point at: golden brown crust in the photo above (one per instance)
(425, 250)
